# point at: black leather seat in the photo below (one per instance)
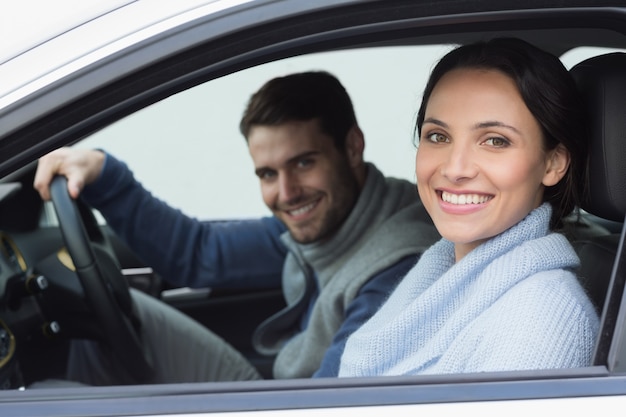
(597, 255)
(602, 83)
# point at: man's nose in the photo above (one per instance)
(288, 187)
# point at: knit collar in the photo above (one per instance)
(529, 242)
(533, 226)
(438, 298)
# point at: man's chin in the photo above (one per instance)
(304, 239)
(303, 236)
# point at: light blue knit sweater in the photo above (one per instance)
(513, 303)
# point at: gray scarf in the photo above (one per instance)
(387, 223)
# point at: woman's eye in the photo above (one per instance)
(437, 138)
(497, 142)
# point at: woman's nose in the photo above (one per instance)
(459, 163)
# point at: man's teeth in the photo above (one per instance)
(302, 210)
(464, 198)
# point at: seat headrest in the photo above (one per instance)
(602, 83)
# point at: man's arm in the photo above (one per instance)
(183, 250)
(368, 300)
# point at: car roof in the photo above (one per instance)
(34, 15)
(52, 48)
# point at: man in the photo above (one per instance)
(340, 238)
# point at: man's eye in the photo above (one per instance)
(266, 175)
(497, 142)
(302, 163)
(437, 138)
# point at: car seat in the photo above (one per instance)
(602, 83)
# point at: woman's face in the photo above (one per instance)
(481, 166)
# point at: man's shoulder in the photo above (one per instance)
(403, 183)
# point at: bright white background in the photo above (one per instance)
(188, 151)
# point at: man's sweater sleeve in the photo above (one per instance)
(368, 300)
(184, 250)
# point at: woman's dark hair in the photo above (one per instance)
(302, 97)
(550, 94)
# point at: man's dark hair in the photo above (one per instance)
(302, 97)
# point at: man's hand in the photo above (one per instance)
(79, 166)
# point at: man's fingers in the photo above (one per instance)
(79, 166)
(74, 186)
(48, 166)
(43, 177)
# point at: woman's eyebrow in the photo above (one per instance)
(436, 122)
(480, 125)
(494, 123)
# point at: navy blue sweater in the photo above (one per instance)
(218, 254)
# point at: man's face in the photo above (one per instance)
(309, 184)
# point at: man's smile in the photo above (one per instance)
(302, 210)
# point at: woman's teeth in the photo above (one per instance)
(464, 198)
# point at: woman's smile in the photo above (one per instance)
(462, 199)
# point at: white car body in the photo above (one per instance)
(51, 63)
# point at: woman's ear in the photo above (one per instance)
(556, 167)
(355, 145)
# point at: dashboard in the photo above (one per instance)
(16, 306)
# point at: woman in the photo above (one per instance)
(499, 164)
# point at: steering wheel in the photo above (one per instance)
(112, 308)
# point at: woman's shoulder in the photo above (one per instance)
(552, 291)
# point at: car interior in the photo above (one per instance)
(602, 84)
(43, 304)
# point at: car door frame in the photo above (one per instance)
(151, 70)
